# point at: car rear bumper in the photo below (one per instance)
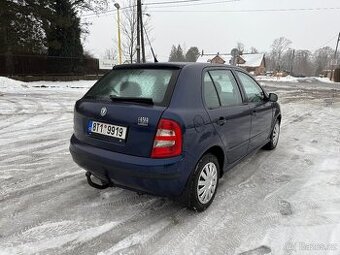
(163, 177)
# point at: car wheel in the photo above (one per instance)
(203, 184)
(274, 137)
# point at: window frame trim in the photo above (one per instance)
(244, 91)
(240, 88)
(203, 92)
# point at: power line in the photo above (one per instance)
(106, 12)
(161, 3)
(249, 11)
(173, 2)
(330, 40)
(212, 11)
(195, 4)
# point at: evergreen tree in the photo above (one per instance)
(63, 36)
(30, 26)
(192, 54)
(176, 54)
(21, 28)
(180, 55)
(172, 57)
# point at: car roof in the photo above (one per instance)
(178, 65)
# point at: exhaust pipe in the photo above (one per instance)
(96, 185)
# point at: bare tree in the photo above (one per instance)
(303, 62)
(240, 47)
(279, 46)
(287, 60)
(253, 50)
(322, 59)
(129, 30)
(303, 65)
(110, 54)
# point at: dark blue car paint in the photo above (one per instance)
(120, 114)
(128, 163)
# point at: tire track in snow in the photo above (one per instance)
(17, 192)
(20, 111)
(142, 220)
(28, 114)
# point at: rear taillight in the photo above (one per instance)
(168, 140)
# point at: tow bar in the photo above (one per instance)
(95, 185)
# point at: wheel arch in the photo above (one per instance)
(279, 118)
(219, 153)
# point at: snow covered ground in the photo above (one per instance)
(285, 201)
(294, 79)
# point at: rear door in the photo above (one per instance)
(261, 110)
(229, 115)
(121, 112)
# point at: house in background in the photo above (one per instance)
(252, 62)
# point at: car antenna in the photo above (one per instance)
(153, 53)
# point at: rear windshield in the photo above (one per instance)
(155, 84)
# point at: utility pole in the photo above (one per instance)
(335, 59)
(141, 31)
(118, 27)
(138, 32)
(292, 62)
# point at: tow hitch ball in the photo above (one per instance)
(96, 185)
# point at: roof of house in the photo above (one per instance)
(252, 59)
(206, 58)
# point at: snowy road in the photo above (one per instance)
(285, 201)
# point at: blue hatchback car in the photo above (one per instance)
(171, 129)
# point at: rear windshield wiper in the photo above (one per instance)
(132, 99)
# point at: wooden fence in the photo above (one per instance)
(31, 65)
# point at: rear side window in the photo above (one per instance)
(227, 87)
(252, 89)
(135, 83)
(210, 93)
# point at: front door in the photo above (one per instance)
(261, 110)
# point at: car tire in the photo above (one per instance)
(202, 186)
(274, 137)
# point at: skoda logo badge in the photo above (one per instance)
(103, 111)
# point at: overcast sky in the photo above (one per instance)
(212, 30)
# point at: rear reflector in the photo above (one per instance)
(168, 140)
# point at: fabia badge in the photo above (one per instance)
(103, 111)
(143, 121)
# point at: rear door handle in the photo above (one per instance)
(221, 121)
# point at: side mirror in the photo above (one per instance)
(273, 97)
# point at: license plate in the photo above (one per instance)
(107, 129)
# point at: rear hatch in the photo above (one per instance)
(122, 110)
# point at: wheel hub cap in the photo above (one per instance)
(276, 133)
(207, 182)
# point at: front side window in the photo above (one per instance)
(252, 89)
(134, 83)
(227, 87)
